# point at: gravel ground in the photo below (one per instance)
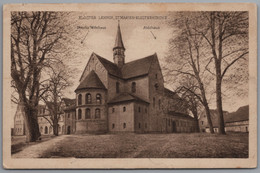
(130, 145)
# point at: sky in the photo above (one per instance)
(138, 41)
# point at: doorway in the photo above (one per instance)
(173, 127)
(68, 130)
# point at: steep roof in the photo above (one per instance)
(91, 81)
(119, 41)
(109, 66)
(131, 69)
(126, 97)
(69, 102)
(170, 93)
(242, 114)
(138, 67)
(178, 114)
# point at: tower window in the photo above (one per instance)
(97, 113)
(124, 109)
(113, 126)
(98, 98)
(145, 110)
(133, 87)
(87, 113)
(46, 130)
(88, 98)
(139, 125)
(139, 109)
(113, 110)
(156, 76)
(153, 102)
(124, 125)
(156, 86)
(201, 122)
(79, 99)
(117, 87)
(79, 114)
(159, 103)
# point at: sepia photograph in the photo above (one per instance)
(157, 85)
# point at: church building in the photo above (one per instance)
(127, 97)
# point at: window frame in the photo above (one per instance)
(98, 98)
(87, 113)
(133, 87)
(117, 87)
(88, 98)
(80, 99)
(79, 114)
(97, 113)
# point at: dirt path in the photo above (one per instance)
(35, 151)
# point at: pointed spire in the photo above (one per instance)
(119, 42)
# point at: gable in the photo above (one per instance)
(94, 64)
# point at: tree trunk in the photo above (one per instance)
(221, 123)
(55, 127)
(195, 114)
(206, 106)
(31, 124)
(209, 118)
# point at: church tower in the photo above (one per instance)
(119, 49)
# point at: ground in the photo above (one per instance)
(130, 145)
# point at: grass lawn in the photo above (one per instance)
(180, 145)
(18, 142)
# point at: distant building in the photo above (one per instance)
(19, 127)
(69, 109)
(234, 122)
(127, 97)
(66, 120)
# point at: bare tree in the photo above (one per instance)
(55, 86)
(34, 36)
(187, 90)
(226, 34)
(187, 57)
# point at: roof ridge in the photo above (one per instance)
(149, 56)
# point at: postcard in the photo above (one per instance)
(130, 86)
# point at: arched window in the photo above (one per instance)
(98, 99)
(113, 126)
(153, 102)
(50, 129)
(79, 114)
(97, 113)
(87, 113)
(124, 109)
(80, 99)
(133, 87)
(124, 126)
(88, 98)
(159, 103)
(139, 125)
(117, 87)
(139, 109)
(46, 130)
